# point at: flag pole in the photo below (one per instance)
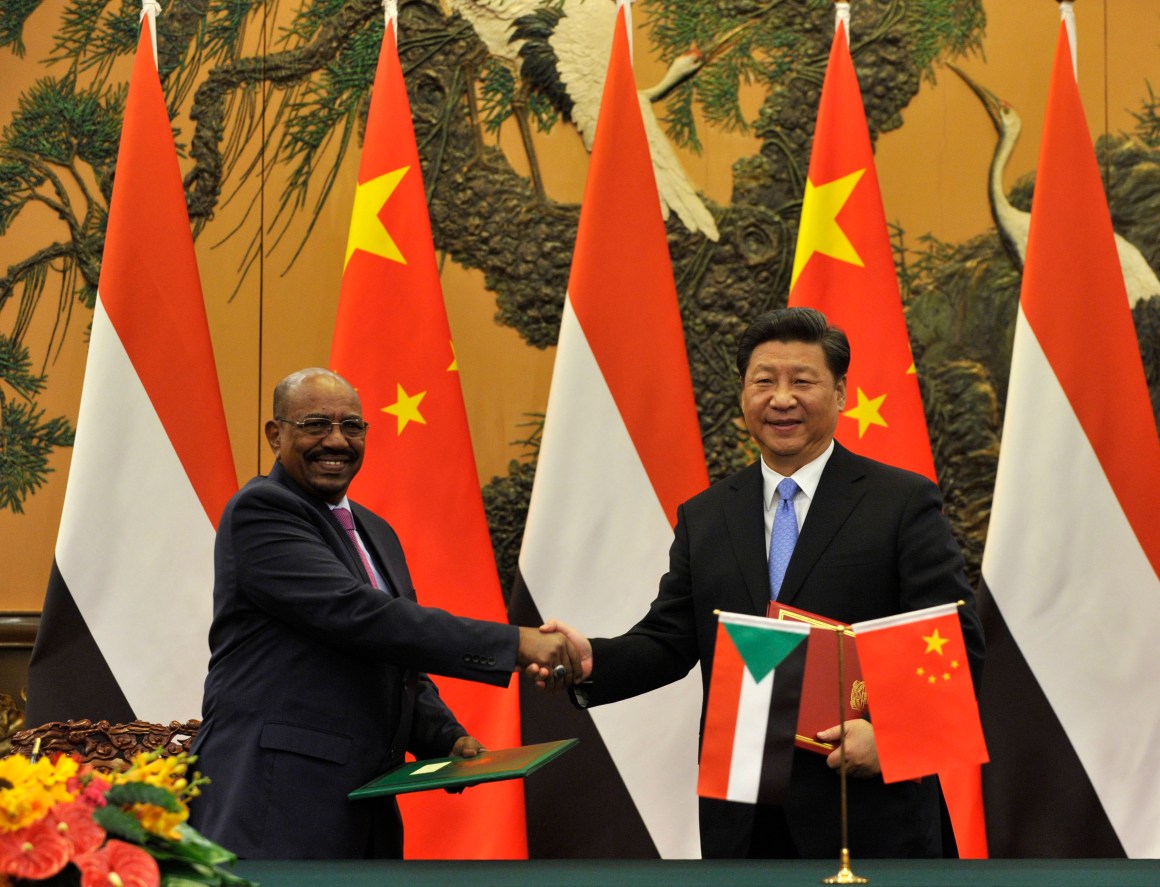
(845, 875)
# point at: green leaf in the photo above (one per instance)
(143, 793)
(193, 847)
(193, 874)
(185, 878)
(117, 822)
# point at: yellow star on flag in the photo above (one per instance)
(454, 368)
(934, 642)
(366, 228)
(867, 412)
(819, 231)
(406, 409)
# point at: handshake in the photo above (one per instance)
(555, 655)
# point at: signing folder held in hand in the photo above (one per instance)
(491, 765)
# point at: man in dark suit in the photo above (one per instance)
(873, 542)
(319, 651)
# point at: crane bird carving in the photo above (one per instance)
(561, 50)
(1014, 224)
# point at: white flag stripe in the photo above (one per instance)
(129, 507)
(763, 622)
(590, 487)
(595, 545)
(1077, 592)
(904, 618)
(749, 738)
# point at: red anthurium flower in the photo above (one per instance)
(74, 822)
(118, 864)
(35, 853)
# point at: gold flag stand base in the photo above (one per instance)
(845, 876)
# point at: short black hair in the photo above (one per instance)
(796, 325)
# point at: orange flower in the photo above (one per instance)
(74, 822)
(34, 853)
(118, 863)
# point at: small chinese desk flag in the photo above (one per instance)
(919, 692)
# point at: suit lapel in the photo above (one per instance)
(341, 542)
(838, 492)
(744, 517)
(386, 564)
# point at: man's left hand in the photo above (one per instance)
(861, 749)
(466, 747)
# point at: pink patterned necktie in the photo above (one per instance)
(344, 517)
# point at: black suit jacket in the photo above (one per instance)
(874, 543)
(317, 679)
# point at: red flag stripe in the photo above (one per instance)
(1080, 258)
(647, 325)
(185, 398)
(721, 717)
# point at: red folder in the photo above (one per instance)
(820, 695)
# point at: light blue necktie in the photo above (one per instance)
(784, 535)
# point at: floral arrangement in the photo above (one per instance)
(63, 822)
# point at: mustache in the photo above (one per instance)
(332, 452)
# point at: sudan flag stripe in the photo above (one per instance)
(621, 449)
(1073, 548)
(596, 566)
(130, 603)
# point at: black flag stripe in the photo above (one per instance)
(586, 776)
(1039, 800)
(68, 677)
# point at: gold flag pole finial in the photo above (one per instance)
(845, 875)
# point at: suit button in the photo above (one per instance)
(491, 660)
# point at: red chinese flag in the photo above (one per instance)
(392, 341)
(844, 267)
(919, 692)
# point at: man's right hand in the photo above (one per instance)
(540, 653)
(582, 645)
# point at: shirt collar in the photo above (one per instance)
(807, 477)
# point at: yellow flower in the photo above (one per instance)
(171, 774)
(160, 822)
(29, 790)
(54, 776)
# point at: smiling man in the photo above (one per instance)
(855, 540)
(319, 652)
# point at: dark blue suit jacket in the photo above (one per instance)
(317, 680)
(874, 543)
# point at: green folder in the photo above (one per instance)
(491, 765)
